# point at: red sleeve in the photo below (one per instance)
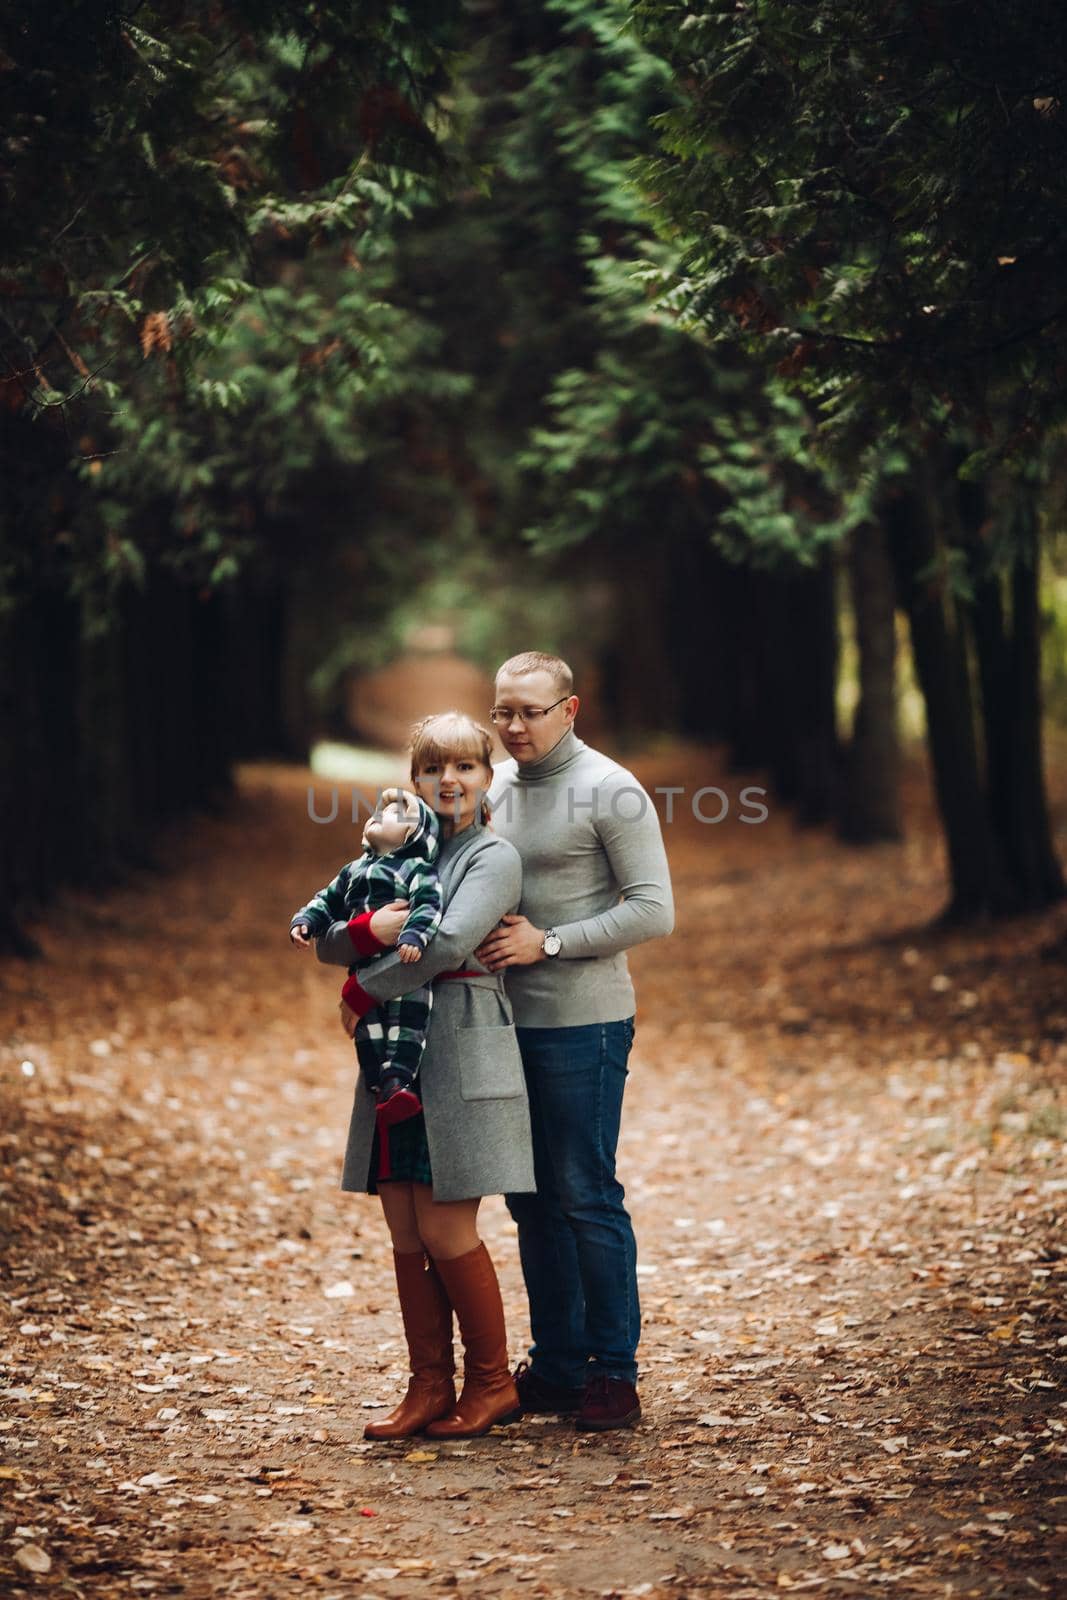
(365, 942)
(356, 997)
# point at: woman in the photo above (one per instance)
(473, 1137)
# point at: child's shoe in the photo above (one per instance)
(397, 1098)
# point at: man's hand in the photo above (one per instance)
(387, 921)
(299, 936)
(348, 1018)
(515, 942)
(410, 953)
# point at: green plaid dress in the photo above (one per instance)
(409, 1154)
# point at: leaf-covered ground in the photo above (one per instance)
(844, 1150)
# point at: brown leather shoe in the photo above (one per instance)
(609, 1403)
(538, 1394)
(489, 1394)
(427, 1314)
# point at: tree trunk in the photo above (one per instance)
(776, 637)
(992, 648)
(107, 735)
(700, 599)
(301, 634)
(21, 823)
(1007, 647)
(254, 624)
(813, 686)
(742, 634)
(1024, 829)
(978, 879)
(108, 823)
(796, 649)
(639, 666)
(870, 795)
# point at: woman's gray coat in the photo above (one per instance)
(471, 1079)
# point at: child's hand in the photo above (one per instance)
(410, 953)
(299, 936)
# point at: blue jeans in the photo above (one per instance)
(576, 1241)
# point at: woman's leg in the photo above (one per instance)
(398, 1204)
(449, 1230)
(446, 1228)
(427, 1315)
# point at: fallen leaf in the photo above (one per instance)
(32, 1558)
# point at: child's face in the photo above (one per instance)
(454, 788)
(387, 829)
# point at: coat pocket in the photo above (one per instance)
(490, 1066)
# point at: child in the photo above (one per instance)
(400, 846)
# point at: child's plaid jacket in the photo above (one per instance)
(373, 880)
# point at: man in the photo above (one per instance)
(595, 882)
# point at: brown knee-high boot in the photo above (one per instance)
(489, 1394)
(427, 1315)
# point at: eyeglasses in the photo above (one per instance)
(503, 715)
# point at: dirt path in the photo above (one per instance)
(845, 1157)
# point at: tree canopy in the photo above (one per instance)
(174, 180)
(872, 197)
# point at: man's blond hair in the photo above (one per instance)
(538, 661)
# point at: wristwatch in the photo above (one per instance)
(551, 944)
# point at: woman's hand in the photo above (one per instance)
(387, 921)
(348, 1018)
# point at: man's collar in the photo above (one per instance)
(562, 753)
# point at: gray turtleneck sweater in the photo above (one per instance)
(593, 868)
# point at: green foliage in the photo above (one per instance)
(866, 198)
(656, 436)
(640, 427)
(195, 295)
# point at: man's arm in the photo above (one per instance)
(491, 886)
(635, 851)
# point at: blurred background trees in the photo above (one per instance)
(204, 387)
(702, 347)
(867, 200)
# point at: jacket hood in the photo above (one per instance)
(422, 844)
(425, 841)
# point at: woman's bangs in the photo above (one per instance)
(449, 740)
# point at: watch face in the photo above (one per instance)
(552, 944)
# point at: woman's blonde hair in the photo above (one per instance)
(451, 735)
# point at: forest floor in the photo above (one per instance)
(844, 1154)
